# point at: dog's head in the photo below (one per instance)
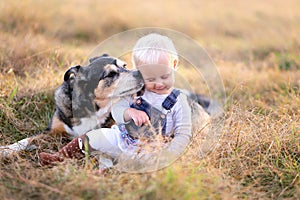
(117, 82)
(104, 79)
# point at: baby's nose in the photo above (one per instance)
(159, 85)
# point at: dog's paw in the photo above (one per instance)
(8, 150)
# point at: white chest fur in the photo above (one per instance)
(89, 123)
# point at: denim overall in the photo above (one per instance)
(158, 121)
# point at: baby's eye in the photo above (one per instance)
(165, 76)
(150, 79)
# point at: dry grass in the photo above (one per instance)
(256, 47)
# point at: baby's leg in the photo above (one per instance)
(99, 141)
(74, 149)
(104, 140)
(104, 143)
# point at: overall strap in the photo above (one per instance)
(141, 104)
(170, 101)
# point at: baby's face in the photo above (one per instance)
(158, 78)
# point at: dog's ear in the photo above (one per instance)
(95, 58)
(70, 72)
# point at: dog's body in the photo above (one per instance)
(84, 100)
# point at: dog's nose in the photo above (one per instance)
(137, 74)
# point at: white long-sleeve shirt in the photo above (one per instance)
(179, 120)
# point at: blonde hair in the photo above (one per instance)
(150, 48)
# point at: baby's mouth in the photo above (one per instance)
(160, 88)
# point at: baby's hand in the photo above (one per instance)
(139, 117)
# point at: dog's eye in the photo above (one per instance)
(111, 74)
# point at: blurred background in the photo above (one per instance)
(35, 34)
(235, 30)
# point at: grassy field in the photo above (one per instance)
(256, 47)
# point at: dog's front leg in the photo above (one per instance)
(16, 147)
(56, 128)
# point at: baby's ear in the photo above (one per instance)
(175, 63)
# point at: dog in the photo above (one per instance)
(84, 100)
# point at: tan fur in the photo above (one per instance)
(110, 68)
(101, 95)
(57, 126)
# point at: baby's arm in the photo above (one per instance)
(122, 113)
(139, 117)
(183, 128)
(119, 108)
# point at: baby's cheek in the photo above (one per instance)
(170, 82)
(149, 85)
